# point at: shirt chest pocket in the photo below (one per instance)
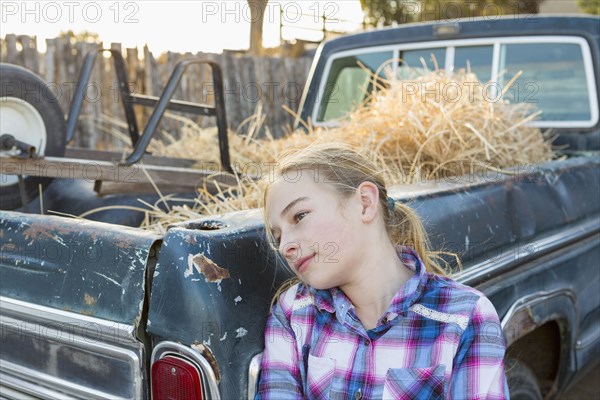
(414, 383)
(319, 377)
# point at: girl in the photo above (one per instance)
(369, 317)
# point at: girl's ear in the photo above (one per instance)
(369, 199)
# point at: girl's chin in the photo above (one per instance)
(319, 285)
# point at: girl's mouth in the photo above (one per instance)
(302, 263)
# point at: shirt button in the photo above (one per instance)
(367, 342)
(358, 395)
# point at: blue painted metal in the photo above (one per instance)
(226, 315)
(478, 221)
(74, 265)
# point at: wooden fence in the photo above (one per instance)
(270, 82)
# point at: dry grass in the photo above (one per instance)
(428, 128)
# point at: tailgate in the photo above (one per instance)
(71, 298)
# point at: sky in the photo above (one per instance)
(178, 26)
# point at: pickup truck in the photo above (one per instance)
(97, 309)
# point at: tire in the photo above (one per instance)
(30, 112)
(522, 383)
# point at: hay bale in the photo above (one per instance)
(431, 127)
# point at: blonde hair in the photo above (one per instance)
(344, 169)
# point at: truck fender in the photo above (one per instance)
(534, 310)
(537, 322)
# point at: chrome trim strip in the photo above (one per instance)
(208, 376)
(108, 330)
(533, 299)
(37, 378)
(253, 371)
(529, 250)
(127, 355)
(15, 388)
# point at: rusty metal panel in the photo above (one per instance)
(212, 286)
(85, 267)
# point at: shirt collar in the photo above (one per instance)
(335, 300)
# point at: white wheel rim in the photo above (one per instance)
(24, 122)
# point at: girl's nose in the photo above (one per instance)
(289, 250)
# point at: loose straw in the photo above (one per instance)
(430, 127)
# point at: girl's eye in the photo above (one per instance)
(300, 216)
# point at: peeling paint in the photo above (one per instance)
(89, 300)
(241, 332)
(237, 299)
(198, 347)
(205, 351)
(190, 269)
(208, 268)
(224, 337)
(60, 241)
(190, 240)
(38, 232)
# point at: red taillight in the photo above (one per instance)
(175, 379)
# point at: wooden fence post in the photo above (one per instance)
(249, 82)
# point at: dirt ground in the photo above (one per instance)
(586, 389)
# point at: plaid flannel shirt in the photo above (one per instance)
(438, 339)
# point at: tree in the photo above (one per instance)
(388, 12)
(257, 17)
(589, 6)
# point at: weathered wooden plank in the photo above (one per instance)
(260, 73)
(231, 88)
(275, 106)
(291, 91)
(12, 54)
(118, 156)
(251, 91)
(29, 53)
(97, 170)
(2, 49)
(50, 63)
(208, 88)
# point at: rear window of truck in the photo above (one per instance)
(557, 75)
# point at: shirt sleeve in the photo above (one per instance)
(280, 375)
(478, 371)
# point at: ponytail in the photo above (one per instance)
(405, 228)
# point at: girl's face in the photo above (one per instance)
(316, 231)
